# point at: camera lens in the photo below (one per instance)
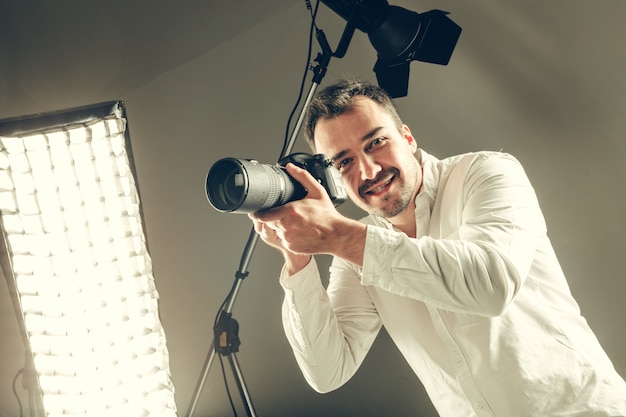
(226, 184)
(246, 186)
(232, 189)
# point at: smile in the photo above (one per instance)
(379, 188)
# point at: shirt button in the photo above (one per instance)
(479, 406)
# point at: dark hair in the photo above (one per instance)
(337, 99)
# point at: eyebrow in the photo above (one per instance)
(365, 137)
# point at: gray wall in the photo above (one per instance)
(541, 80)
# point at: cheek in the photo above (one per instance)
(353, 190)
(352, 187)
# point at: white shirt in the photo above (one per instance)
(477, 303)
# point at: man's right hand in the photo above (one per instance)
(310, 226)
(294, 262)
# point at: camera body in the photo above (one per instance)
(245, 186)
(323, 171)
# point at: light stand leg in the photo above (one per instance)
(224, 315)
(241, 385)
(203, 375)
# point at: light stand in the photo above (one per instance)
(225, 331)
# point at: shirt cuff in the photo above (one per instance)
(301, 281)
(380, 247)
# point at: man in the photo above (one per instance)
(453, 260)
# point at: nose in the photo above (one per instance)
(369, 168)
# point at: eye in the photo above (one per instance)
(343, 164)
(376, 143)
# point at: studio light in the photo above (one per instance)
(76, 262)
(399, 36)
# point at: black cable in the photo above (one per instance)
(17, 397)
(230, 397)
(307, 67)
(216, 341)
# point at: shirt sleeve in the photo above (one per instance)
(490, 223)
(329, 339)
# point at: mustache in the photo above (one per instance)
(382, 175)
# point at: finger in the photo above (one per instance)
(305, 178)
(267, 230)
(258, 226)
(263, 228)
(267, 233)
(266, 215)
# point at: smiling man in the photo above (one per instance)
(453, 259)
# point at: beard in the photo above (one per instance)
(392, 204)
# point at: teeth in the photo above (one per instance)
(376, 190)
(380, 188)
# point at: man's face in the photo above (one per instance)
(376, 160)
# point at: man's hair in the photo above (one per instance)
(337, 99)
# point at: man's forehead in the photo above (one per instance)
(365, 115)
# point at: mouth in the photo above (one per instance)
(377, 188)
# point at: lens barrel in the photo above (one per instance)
(245, 186)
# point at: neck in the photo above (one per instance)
(405, 221)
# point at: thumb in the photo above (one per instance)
(304, 177)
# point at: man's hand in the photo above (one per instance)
(310, 226)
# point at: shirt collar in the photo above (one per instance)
(425, 199)
(430, 179)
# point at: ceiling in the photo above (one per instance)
(204, 80)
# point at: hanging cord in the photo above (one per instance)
(17, 397)
(217, 317)
(230, 397)
(312, 30)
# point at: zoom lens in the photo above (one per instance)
(245, 186)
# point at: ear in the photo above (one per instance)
(408, 136)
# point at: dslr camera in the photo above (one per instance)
(245, 186)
